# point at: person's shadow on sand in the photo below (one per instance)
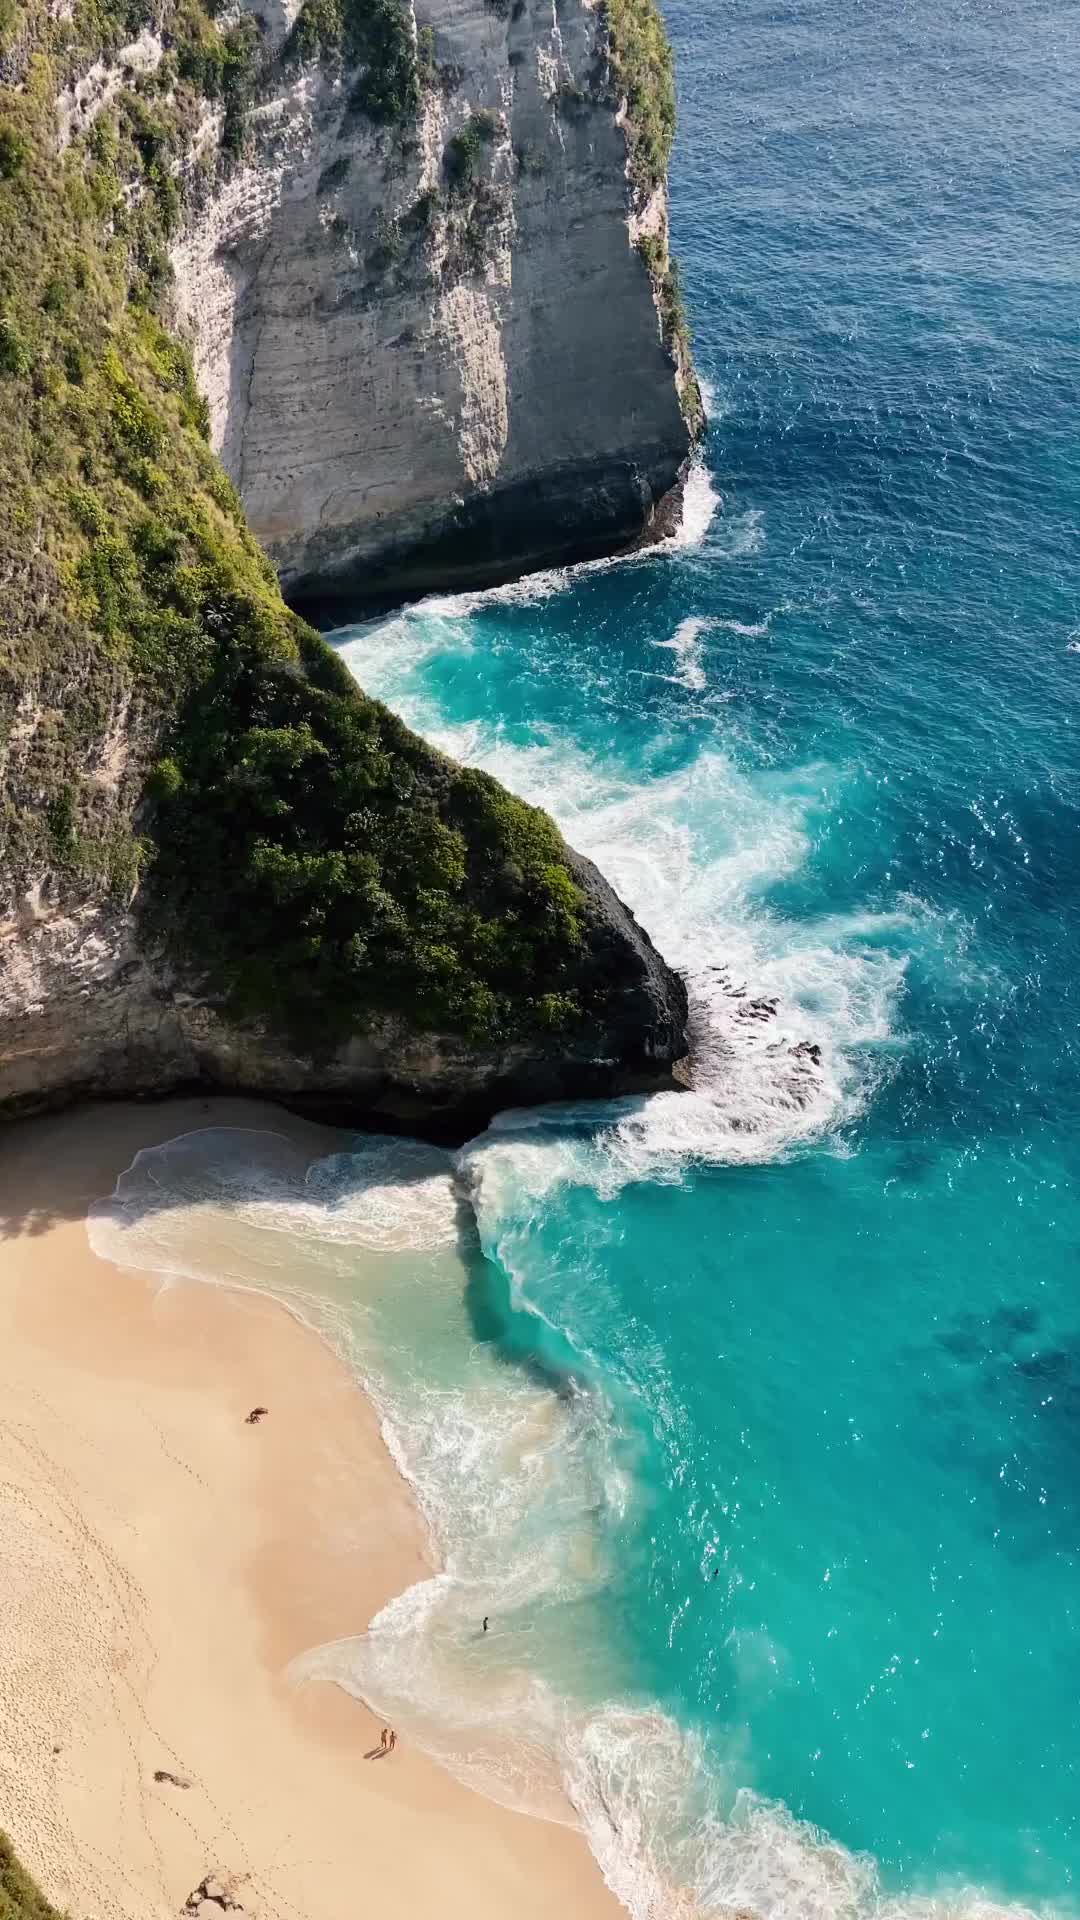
(377, 1753)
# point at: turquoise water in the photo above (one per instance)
(754, 1418)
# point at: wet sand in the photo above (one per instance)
(164, 1562)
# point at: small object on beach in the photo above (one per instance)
(256, 1414)
(56, 1749)
(485, 1622)
(165, 1778)
(213, 1891)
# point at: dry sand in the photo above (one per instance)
(161, 1563)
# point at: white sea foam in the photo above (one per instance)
(741, 535)
(699, 507)
(694, 853)
(521, 1487)
(389, 1195)
(685, 644)
(700, 503)
(747, 630)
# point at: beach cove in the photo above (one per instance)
(748, 1415)
(165, 1562)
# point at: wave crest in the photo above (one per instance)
(523, 1488)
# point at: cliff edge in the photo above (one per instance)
(441, 340)
(220, 862)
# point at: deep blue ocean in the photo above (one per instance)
(786, 1574)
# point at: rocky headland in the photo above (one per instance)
(344, 301)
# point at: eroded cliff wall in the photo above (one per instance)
(219, 861)
(433, 351)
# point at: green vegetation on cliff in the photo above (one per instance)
(301, 853)
(19, 1898)
(375, 35)
(643, 68)
(642, 61)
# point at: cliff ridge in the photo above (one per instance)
(220, 862)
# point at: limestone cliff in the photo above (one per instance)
(87, 1011)
(438, 355)
(220, 863)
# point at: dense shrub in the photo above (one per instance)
(13, 152)
(10, 22)
(645, 72)
(374, 35)
(324, 866)
(668, 281)
(465, 147)
(15, 355)
(379, 34)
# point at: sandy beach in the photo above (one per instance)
(163, 1562)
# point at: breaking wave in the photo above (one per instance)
(793, 1023)
(523, 1480)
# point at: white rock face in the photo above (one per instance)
(413, 384)
(79, 106)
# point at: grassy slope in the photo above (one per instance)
(645, 70)
(19, 1898)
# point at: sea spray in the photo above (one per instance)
(526, 1476)
(790, 1032)
(685, 644)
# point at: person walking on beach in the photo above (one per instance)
(393, 1740)
(384, 1739)
(485, 1622)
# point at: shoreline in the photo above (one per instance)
(167, 1562)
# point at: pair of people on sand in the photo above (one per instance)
(388, 1740)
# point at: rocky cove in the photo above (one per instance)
(363, 300)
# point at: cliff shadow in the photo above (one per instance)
(54, 1167)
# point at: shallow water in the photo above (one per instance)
(753, 1419)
